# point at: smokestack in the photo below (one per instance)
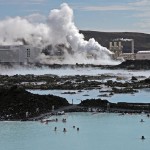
(132, 46)
(119, 43)
(115, 44)
(110, 45)
(120, 46)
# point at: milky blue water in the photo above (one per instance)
(97, 132)
(143, 96)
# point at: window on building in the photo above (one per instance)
(28, 52)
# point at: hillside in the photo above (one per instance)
(142, 41)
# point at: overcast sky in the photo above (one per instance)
(100, 15)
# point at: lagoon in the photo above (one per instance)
(99, 131)
(142, 96)
(105, 131)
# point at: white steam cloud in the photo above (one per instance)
(59, 32)
(122, 39)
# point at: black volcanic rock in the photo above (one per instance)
(133, 78)
(134, 65)
(116, 107)
(147, 80)
(94, 103)
(15, 102)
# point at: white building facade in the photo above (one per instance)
(143, 55)
(19, 54)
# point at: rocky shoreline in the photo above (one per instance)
(77, 82)
(18, 104)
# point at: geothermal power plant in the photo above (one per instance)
(58, 41)
(24, 54)
(117, 49)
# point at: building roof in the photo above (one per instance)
(143, 52)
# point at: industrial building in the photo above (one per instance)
(117, 48)
(24, 54)
(143, 55)
(19, 54)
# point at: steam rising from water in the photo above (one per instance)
(59, 30)
(70, 71)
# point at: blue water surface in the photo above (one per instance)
(142, 96)
(99, 131)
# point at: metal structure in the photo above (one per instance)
(117, 48)
(132, 46)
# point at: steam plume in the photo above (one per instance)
(122, 39)
(59, 30)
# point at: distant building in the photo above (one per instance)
(117, 48)
(128, 56)
(19, 54)
(143, 55)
